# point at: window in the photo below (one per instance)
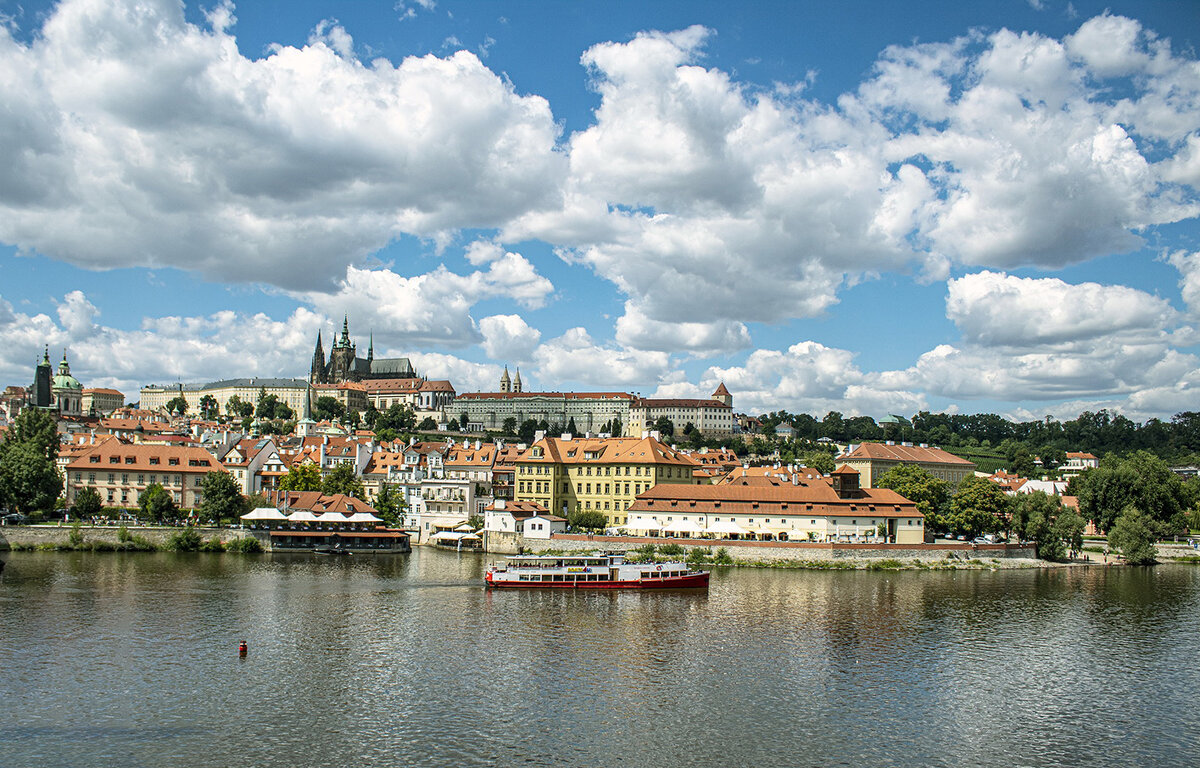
(141, 479)
(130, 460)
(173, 462)
(112, 478)
(94, 459)
(114, 459)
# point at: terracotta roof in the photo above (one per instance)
(102, 391)
(318, 503)
(470, 456)
(138, 458)
(907, 453)
(440, 385)
(520, 508)
(646, 402)
(609, 450)
(1079, 455)
(721, 390)
(393, 385)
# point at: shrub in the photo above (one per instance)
(123, 535)
(671, 550)
(244, 545)
(887, 564)
(722, 557)
(699, 556)
(212, 545)
(75, 538)
(187, 540)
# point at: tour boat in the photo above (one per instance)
(592, 572)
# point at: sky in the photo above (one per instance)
(869, 207)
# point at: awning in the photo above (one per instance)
(363, 517)
(264, 513)
(642, 523)
(683, 526)
(447, 536)
(726, 527)
(303, 516)
(464, 528)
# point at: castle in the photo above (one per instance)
(344, 364)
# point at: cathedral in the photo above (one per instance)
(344, 364)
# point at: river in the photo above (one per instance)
(131, 660)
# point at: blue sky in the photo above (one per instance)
(866, 207)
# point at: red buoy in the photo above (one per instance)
(242, 649)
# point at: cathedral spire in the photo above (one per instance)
(317, 374)
(517, 380)
(371, 347)
(345, 330)
(505, 382)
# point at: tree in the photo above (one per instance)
(1133, 535)
(398, 417)
(527, 431)
(177, 404)
(29, 482)
(37, 428)
(329, 408)
(301, 477)
(209, 407)
(822, 462)
(234, 406)
(343, 480)
(1033, 519)
(390, 505)
(616, 428)
(427, 424)
(510, 426)
(914, 483)
(574, 430)
(221, 496)
(1141, 480)
(979, 506)
(587, 520)
(1069, 529)
(255, 501)
(664, 427)
(87, 504)
(156, 504)
(453, 424)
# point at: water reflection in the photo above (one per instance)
(131, 658)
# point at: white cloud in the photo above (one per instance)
(431, 308)
(1188, 265)
(508, 337)
(465, 375)
(133, 137)
(575, 358)
(636, 330)
(997, 309)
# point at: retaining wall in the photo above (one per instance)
(26, 535)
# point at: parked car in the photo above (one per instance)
(16, 518)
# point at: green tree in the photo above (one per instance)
(29, 481)
(822, 462)
(1133, 535)
(527, 431)
(328, 408)
(574, 430)
(87, 504)
(427, 424)
(208, 407)
(390, 505)
(664, 427)
(914, 483)
(1141, 480)
(37, 428)
(510, 426)
(341, 479)
(301, 477)
(398, 417)
(235, 406)
(475, 521)
(221, 496)
(255, 501)
(1033, 519)
(979, 506)
(616, 428)
(452, 425)
(385, 435)
(177, 404)
(587, 520)
(1068, 527)
(156, 504)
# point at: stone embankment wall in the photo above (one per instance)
(766, 551)
(25, 535)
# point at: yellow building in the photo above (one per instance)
(873, 460)
(571, 474)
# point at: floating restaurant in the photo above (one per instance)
(308, 520)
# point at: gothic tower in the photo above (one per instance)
(517, 381)
(505, 383)
(317, 375)
(341, 356)
(40, 397)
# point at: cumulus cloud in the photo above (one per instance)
(465, 375)
(993, 308)
(163, 350)
(431, 308)
(636, 330)
(134, 137)
(508, 337)
(706, 200)
(574, 358)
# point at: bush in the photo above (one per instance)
(671, 550)
(212, 545)
(698, 556)
(245, 545)
(887, 564)
(187, 540)
(75, 538)
(722, 557)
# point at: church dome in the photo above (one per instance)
(64, 379)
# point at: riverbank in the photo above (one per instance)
(102, 538)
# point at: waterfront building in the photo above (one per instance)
(509, 517)
(255, 464)
(292, 392)
(872, 460)
(473, 462)
(120, 471)
(570, 474)
(543, 526)
(835, 509)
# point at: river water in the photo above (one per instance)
(131, 660)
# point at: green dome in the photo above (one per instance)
(64, 379)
